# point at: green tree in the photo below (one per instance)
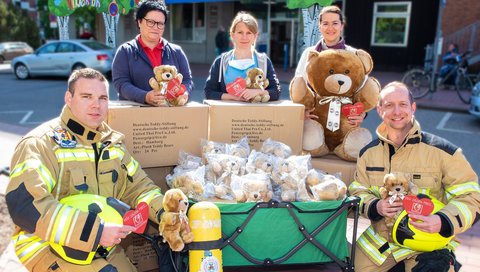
(15, 25)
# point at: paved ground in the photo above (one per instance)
(468, 253)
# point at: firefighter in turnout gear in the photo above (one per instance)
(76, 153)
(437, 168)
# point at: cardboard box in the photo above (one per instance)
(155, 135)
(139, 250)
(282, 121)
(158, 174)
(331, 164)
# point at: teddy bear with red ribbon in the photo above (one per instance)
(337, 85)
(168, 82)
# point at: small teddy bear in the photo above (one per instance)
(219, 172)
(395, 187)
(163, 75)
(289, 178)
(259, 162)
(256, 80)
(252, 188)
(276, 148)
(191, 182)
(211, 147)
(240, 148)
(325, 187)
(174, 222)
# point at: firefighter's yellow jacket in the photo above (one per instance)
(61, 158)
(437, 168)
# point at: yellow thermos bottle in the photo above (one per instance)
(205, 254)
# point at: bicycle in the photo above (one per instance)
(420, 83)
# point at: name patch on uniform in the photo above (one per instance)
(63, 138)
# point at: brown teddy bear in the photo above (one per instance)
(276, 148)
(324, 186)
(337, 84)
(259, 162)
(211, 147)
(288, 178)
(191, 182)
(395, 187)
(163, 75)
(219, 172)
(173, 221)
(257, 80)
(240, 149)
(252, 188)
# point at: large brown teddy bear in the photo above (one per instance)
(173, 221)
(336, 78)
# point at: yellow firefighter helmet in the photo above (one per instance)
(108, 209)
(403, 233)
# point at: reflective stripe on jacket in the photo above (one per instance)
(61, 158)
(437, 167)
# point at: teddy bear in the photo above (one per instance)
(187, 161)
(256, 80)
(173, 225)
(259, 162)
(219, 172)
(337, 85)
(163, 75)
(276, 148)
(252, 188)
(211, 147)
(324, 186)
(240, 149)
(191, 182)
(288, 178)
(395, 187)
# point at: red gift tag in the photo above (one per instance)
(237, 86)
(175, 89)
(414, 205)
(353, 109)
(137, 218)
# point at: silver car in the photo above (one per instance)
(60, 58)
(475, 101)
(10, 50)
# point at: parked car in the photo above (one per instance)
(475, 101)
(60, 58)
(10, 50)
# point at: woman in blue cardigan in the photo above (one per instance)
(236, 62)
(134, 61)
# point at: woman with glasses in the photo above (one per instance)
(331, 23)
(134, 60)
(236, 62)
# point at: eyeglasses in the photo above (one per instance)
(152, 23)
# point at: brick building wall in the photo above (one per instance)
(458, 14)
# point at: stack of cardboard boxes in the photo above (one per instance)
(155, 135)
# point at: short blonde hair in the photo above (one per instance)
(87, 73)
(247, 19)
(395, 84)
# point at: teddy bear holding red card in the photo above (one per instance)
(337, 86)
(168, 82)
(255, 80)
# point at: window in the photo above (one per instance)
(188, 22)
(49, 48)
(65, 48)
(391, 22)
